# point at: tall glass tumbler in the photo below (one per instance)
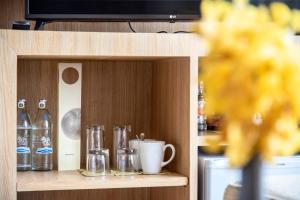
(94, 139)
(121, 135)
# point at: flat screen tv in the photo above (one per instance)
(112, 10)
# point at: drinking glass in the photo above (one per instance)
(127, 160)
(121, 134)
(98, 161)
(94, 139)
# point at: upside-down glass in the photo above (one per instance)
(127, 160)
(98, 161)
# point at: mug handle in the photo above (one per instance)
(172, 156)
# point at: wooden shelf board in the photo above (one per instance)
(73, 180)
(59, 44)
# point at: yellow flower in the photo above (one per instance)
(252, 66)
(281, 13)
(295, 23)
(222, 9)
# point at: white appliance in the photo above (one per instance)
(69, 115)
(215, 174)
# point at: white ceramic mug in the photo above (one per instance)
(135, 144)
(152, 155)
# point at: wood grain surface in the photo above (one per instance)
(170, 118)
(109, 194)
(73, 180)
(8, 108)
(89, 45)
(113, 93)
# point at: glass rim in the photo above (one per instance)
(95, 127)
(122, 127)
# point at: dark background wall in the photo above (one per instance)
(14, 10)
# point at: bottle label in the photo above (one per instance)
(46, 141)
(44, 150)
(22, 141)
(23, 150)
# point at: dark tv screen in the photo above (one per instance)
(113, 10)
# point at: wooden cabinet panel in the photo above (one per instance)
(8, 108)
(110, 194)
(113, 93)
(170, 119)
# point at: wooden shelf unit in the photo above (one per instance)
(73, 180)
(146, 80)
(165, 64)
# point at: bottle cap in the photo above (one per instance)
(21, 103)
(42, 103)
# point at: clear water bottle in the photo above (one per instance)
(42, 139)
(202, 125)
(23, 137)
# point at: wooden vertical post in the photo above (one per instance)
(8, 98)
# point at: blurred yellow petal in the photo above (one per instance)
(214, 144)
(281, 13)
(241, 2)
(215, 9)
(252, 66)
(295, 23)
